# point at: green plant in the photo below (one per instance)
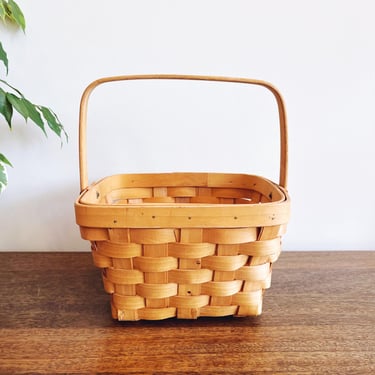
(11, 99)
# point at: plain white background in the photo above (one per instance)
(320, 54)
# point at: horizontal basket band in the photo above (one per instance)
(157, 290)
(190, 301)
(222, 288)
(253, 285)
(157, 313)
(199, 276)
(191, 250)
(104, 251)
(151, 264)
(128, 302)
(120, 276)
(230, 235)
(182, 216)
(153, 236)
(261, 248)
(253, 273)
(118, 249)
(224, 263)
(216, 311)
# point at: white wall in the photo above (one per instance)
(320, 54)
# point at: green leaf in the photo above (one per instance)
(16, 14)
(4, 160)
(34, 114)
(3, 177)
(37, 113)
(3, 12)
(6, 108)
(52, 120)
(18, 104)
(3, 56)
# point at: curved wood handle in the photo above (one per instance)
(283, 176)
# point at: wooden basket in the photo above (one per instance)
(183, 245)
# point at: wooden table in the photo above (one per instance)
(318, 318)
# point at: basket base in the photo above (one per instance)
(185, 313)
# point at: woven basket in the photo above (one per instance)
(183, 245)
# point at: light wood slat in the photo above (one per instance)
(222, 288)
(119, 276)
(128, 302)
(156, 314)
(184, 216)
(156, 290)
(189, 302)
(230, 236)
(253, 273)
(118, 249)
(191, 250)
(153, 264)
(190, 276)
(224, 263)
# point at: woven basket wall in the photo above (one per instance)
(184, 245)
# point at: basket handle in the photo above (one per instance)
(84, 103)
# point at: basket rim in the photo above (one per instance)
(187, 215)
(192, 179)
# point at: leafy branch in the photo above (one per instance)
(14, 100)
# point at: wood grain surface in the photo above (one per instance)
(318, 318)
